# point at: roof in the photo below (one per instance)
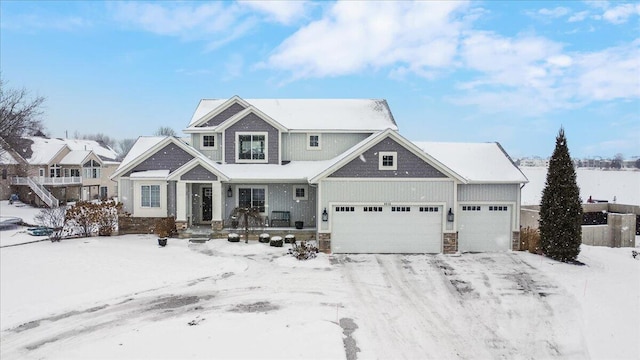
(293, 171)
(316, 114)
(6, 158)
(142, 144)
(476, 162)
(75, 157)
(44, 149)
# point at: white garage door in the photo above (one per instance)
(386, 229)
(484, 228)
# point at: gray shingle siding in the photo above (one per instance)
(251, 123)
(169, 158)
(199, 173)
(408, 164)
(224, 115)
(171, 198)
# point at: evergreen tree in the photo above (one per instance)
(560, 209)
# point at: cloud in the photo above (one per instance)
(353, 36)
(621, 13)
(579, 16)
(555, 12)
(33, 22)
(284, 12)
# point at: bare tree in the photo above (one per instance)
(53, 218)
(617, 161)
(19, 114)
(124, 146)
(165, 131)
(248, 218)
(100, 138)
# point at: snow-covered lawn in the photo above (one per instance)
(125, 297)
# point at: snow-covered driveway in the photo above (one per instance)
(443, 307)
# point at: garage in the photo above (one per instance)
(484, 227)
(403, 229)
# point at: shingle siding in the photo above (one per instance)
(251, 123)
(199, 173)
(224, 115)
(169, 158)
(408, 164)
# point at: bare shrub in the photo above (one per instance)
(53, 218)
(530, 239)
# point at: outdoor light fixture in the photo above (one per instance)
(325, 216)
(450, 216)
(229, 192)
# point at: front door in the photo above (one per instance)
(207, 200)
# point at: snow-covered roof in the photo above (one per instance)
(316, 114)
(476, 162)
(142, 144)
(293, 171)
(6, 158)
(44, 149)
(150, 174)
(75, 157)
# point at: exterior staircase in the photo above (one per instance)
(39, 190)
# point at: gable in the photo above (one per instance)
(366, 165)
(223, 115)
(170, 157)
(199, 173)
(251, 123)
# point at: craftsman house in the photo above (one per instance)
(339, 168)
(49, 172)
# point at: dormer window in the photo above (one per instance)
(313, 142)
(251, 147)
(91, 169)
(208, 141)
(387, 160)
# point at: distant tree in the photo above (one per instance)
(165, 131)
(638, 163)
(100, 138)
(19, 115)
(124, 146)
(617, 161)
(560, 208)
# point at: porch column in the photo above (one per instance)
(217, 198)
(181, 201)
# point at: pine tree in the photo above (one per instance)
(560, 209)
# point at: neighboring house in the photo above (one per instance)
(338, 166)
(55, 171)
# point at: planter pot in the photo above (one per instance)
(290, 239)
(233, 237)
(264, 238)
(162, 242)
(299, 224)
(276, 241)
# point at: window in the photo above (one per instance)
(208, 141)
(103, 192)
(91, 169)
(75, 172)
(150, 195)
(497, 208)
(252, 198)
(387, 160)
(41, 172)
(372, 209)
(401, 208)
(251, 147)
(428, 209)
(345, 209)
(54, 171)
(4, 174)
(300, 192)
(313, 142)
(471, 208)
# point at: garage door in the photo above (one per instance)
(386, 229)
(484, 228)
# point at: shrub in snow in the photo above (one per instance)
(290, 239)
(530, 240)
(53, 218)
(264, 238)
(276, 241)
(233, 237)
(82, 218)
(560, 208)
(164, 227)
(108, 217)
(303, 251)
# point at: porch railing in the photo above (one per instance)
(67, 180)
(37, 188)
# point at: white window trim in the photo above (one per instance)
(150, 203)
(309, 147)
(215, 142)
(382, 154)
(251, 161)
(306, 192)
(266, 195)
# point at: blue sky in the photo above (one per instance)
(512, 72)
